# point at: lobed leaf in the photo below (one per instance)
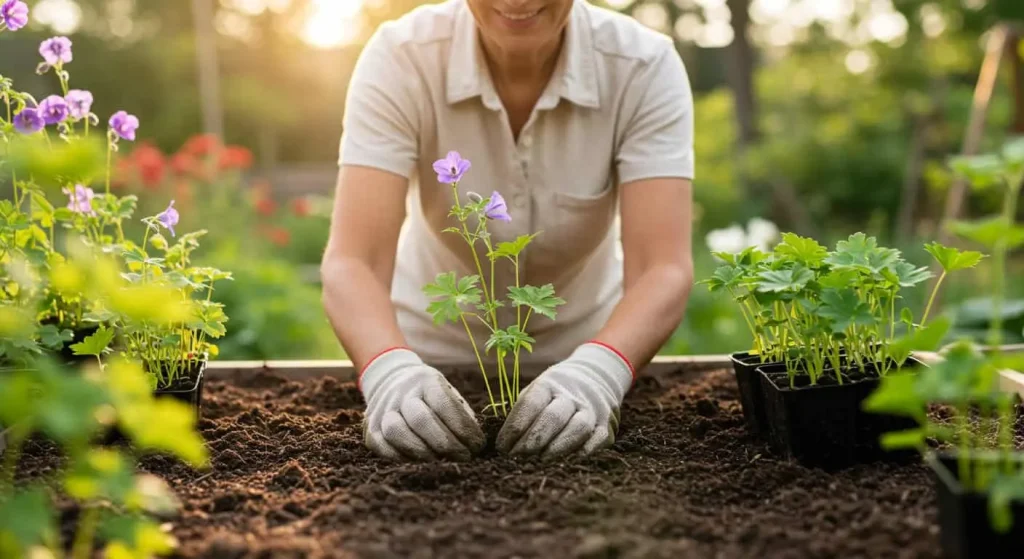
(541, 300)
(990, 231)
(952, 259)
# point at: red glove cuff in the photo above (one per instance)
(632, 371)
(359, 377)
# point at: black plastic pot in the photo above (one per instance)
(745, 365)
(966, 528)
(823, 425)
(188, 389)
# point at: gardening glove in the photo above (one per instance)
(571, 406)
(413, 413)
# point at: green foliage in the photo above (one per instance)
(458, 299)
(967, 379)
(805, 305)
(63, 272)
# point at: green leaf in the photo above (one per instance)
(26, 521)
(725, 277)
(53, 337)
(952, 259)
(454, 296)
(907, 317)
(905, 274)
(1013, 151)
(982, 171)
(134, 537)
(100, 474)
(1003, 491)
(799, 249)
(778, 281)
(507, 340)
(541, 299)
(94, 344)
(42, 209)
(839, 278)
(911, 438)
(843, 309)
(990, 231)
(896, 395)
(512, 249)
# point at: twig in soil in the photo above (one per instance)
(202, 477)
(542, 482)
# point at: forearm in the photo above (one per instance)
(359, 308)
(650, 310)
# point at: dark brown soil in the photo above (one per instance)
(291, 478)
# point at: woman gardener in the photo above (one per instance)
(583, 120)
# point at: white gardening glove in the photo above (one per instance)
(413, 413)
(572, 406)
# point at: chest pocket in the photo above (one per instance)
(573, 226)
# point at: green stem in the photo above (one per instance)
(480, 362)
(82, 548)
(16, 436)
(931, 299)
(110, 155)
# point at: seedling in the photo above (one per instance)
(967, 381)
(474, 297)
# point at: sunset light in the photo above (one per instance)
(333, 23)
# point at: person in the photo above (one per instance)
(582, 119)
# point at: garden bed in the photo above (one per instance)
(291, 478)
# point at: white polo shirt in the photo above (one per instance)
(617, 109)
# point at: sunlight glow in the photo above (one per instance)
(333, 23)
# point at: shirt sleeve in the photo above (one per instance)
(381, 118)
(657, 139)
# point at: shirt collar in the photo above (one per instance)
(574, 79)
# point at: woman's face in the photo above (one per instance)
(517, 25)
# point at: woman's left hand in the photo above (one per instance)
(571, 407)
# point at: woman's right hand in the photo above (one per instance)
(414, 413)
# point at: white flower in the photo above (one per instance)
(762, 233)
(732, 239)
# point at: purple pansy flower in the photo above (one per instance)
(169, 218)
(81, 199)
(29, 121)
(79, 103)
(53, 109)
(496, 208)
(14, 14)
(450, 169)
(56, 50)
(124, 125)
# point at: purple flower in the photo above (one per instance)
(79, 103)
(54, 109)
(56, 50)
(450, 169)
(29, 121)
(81, 199)
(124, 125)
(169, 218)
(496, 208)
(14, 14)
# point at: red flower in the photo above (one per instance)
(279, 236)
(300, 207)
(201, 145)
(150, 164)
(183, 164)
(265, 206)
(235, 157)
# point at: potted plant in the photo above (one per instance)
(979, 474)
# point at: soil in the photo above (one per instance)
(291, 478)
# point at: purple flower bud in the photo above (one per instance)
(124, 125)
(79, 103)
(169, 218)
(56, 50)
(450, 169)
(14, 14)
(54, 109)
(81, 199)
(496, 208)
(29, 121)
